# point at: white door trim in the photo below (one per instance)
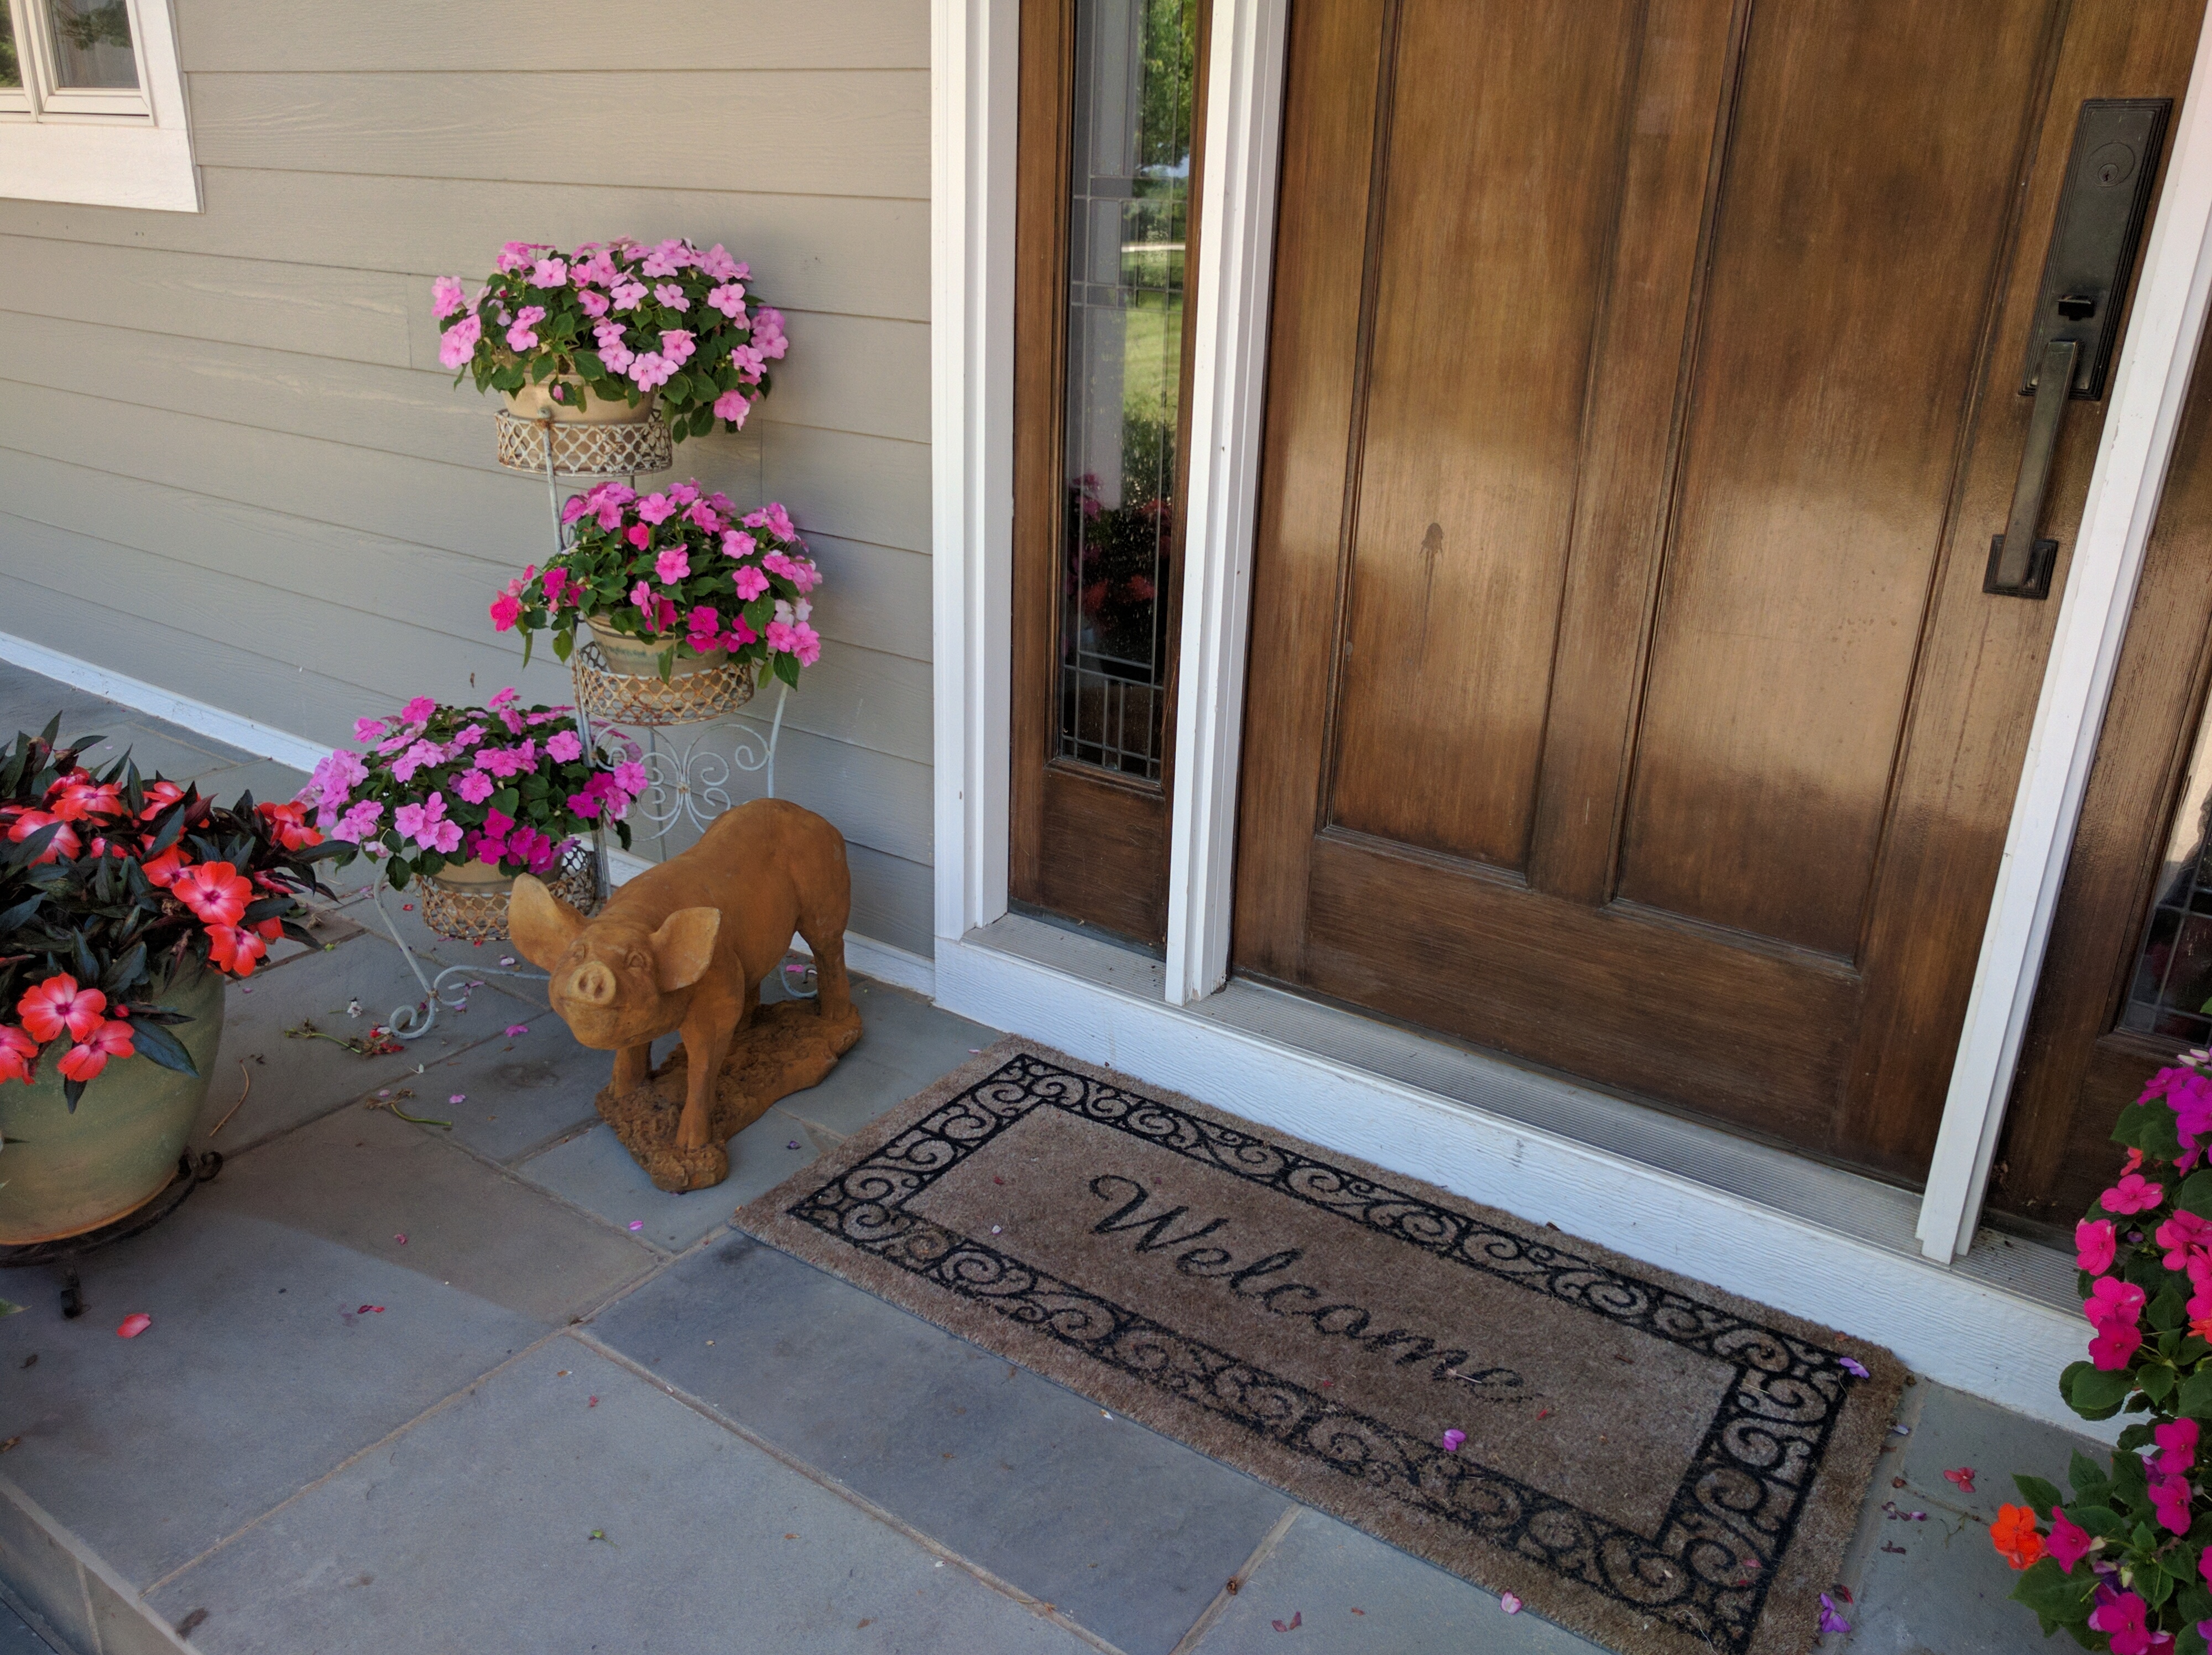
(2092, 618)
(974, 97)
(1228, 370)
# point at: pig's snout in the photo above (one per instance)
(592, 983)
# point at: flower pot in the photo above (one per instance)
(467, 901)
(64, 1173)
(535, 401)
(639, 658)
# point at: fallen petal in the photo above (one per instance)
(401, 1239)
(1295, 1621)
(594, 1403)
(1962, 1478)
(1508, 1602)
(458, 1098)
(1452, 1439)
(637, 1224)
(1830, 1620)
(131, 1326)
(1856, 1369)
(514, 1029)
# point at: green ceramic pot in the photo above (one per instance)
(61, 1174)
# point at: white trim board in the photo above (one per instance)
(865, 955)
(1961, 1331)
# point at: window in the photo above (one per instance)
(92, 104)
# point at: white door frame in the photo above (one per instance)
(974, 44)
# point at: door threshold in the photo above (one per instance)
(1831, 1245)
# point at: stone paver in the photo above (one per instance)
(1132, 1533)
(16, 1637)
(1351, 1593)
(525, 1517)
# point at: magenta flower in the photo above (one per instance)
(2123, 1618)
(2095, 1243)
(458, 342)
(565, 746)
(2069, 1541)
(367, 729)
(506, 611)
(475, 786)
(673, 564)
(2132, 1194)
(2170, 1497)
(2113, 1300)
(2177, 1445)
(749, 581)
(774, 519)
(2115, 1346)
(447, 296)
(630, 777)
(556, 583)
(418, 711)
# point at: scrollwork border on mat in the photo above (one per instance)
(1706, 1570)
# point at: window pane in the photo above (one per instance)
(91, 44)
(11, 74)
(1128, 213)
(2172, 992)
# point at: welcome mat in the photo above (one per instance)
(1657, 1464)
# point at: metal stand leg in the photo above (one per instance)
(73, 1304)
(448, 990)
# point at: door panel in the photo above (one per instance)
(1465, 500)
(1623, 692)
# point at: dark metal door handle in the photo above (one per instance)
(2021, 564)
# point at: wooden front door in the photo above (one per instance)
(1643, 399)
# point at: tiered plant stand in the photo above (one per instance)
(693, 786)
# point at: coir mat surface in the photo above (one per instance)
(1663, 1467)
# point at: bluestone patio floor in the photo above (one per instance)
(413, 1389)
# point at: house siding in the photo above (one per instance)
(231, 466)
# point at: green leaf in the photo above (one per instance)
(2195, 1194)
(2136, 1435)
(2058, 1597)
(2037, 1494)
(153, 1041)
(2158, 1382)
(2170, 1309)
(2101, 1521)
(171, 829)
(505, 801)
(2087, 1476)
(2196, 1399)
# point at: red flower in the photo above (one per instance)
(58, 1004)
(289, 824)
(64, 843)
(84, 1061)
(19, 1055)
(234, 949)
(73, 801)
(159, 796)
(214, 892)
(164, 869)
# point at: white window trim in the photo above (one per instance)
(104, 149)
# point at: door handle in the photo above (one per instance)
(2021, 564)
(2075, 322)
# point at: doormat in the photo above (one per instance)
(1665, 1467)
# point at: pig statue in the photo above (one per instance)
(685, 947)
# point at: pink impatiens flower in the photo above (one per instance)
(627, 294)
(522, 336)
(656, 509)
(2123, 1618)
(630, 777)
(673, 564)
(475, 786)
(2113, 1300)
(458, 343)
(556, 581)
(427, 824)
(670, 294)
(676, 345)
(651, 370)
(550, 272)
(642, 596)
(590, 302)
(749, 581)
(2132, 1194)
(359, 822)
(729, 298)
(733, 406)
(774, 519)
(565, 746)
(446, 295)
(2094, 1245)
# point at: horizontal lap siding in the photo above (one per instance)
(229, 463)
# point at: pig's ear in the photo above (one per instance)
(684, 946)
(541, 925)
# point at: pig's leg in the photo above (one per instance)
(632, 1064)
(832, 987)
(714, 1017)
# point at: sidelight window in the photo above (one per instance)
(2171, 993)
(1127, 253)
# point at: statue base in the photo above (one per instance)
(787, 1047)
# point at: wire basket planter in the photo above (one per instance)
(552, 447)
(478, 912)
(608, 698)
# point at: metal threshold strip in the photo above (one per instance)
(1829, 1198)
